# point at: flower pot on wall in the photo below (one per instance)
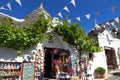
(100, 72)
(101, 75)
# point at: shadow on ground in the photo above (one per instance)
(116, 74)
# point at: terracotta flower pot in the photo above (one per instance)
(101, 75)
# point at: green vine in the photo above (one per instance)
(14, 36)
(75, 35)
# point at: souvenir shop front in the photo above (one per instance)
(63, 61)
(56, 62)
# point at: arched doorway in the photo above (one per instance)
(111, 58)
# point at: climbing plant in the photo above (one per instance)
(75, 35)
(14, 36)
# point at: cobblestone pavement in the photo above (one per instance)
(116, 76)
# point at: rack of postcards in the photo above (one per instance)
(10, 70)
(39, 63)
(28, 71)
(31, 68)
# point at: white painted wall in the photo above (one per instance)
(99, 58)
(9, 53)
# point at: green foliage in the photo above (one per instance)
(76, 36)
(19, 54)
(13, 36)
(100, 70)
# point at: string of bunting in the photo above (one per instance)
(8, 5)
(88, 16)
(66, 8)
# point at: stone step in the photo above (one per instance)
(108, 75)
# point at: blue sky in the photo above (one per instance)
(99, 10)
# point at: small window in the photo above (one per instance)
(90, 56)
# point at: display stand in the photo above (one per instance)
(10, 70)
(39, 64)
(28, 71)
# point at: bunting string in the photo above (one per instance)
(88, 16)
(66, 8)
(8, 5)
(3, 7)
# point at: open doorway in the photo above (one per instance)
(111, 58)
(55, 60)
(48, 63)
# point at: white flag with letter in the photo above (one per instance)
(66, 8)
(19, 2)
(9, 6)
(73, 2)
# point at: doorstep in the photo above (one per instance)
(106, 76)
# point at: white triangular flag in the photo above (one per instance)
(113, 9)
(2, 8)
(9, 6)
(88, 16)
(112, 23)
(107, 23)
(19, 2)
(59, 14)
(78, 18)
(117, 19)
(66, 8)
(73, 2)
(69, 21)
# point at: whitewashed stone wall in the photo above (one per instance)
(100, 58)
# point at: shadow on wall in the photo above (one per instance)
(95, 74)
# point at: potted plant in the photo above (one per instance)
(100, 72)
